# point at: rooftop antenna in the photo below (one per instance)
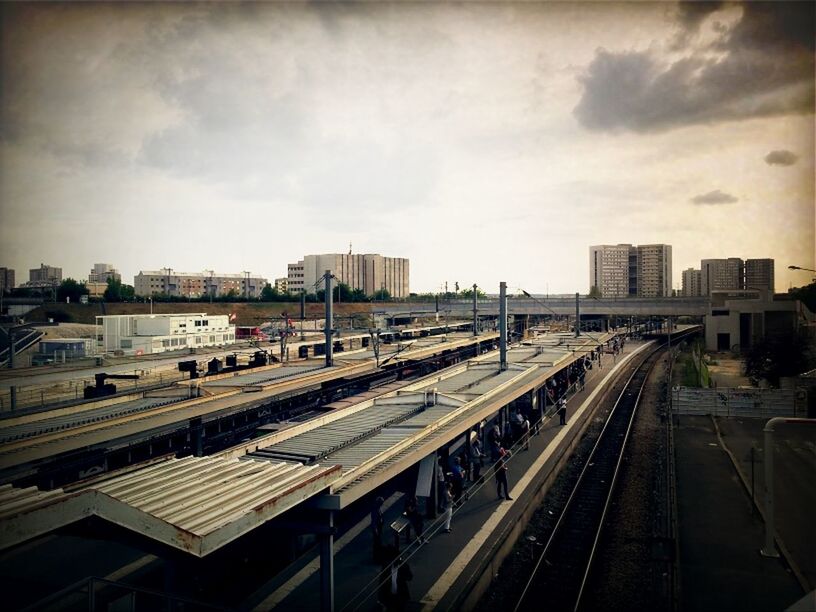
(349, 248)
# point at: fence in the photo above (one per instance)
(759, 403)
(93, 594)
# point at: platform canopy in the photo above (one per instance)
(195, 504)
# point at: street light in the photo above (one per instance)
(802, 269)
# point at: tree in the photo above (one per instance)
(594, 292)
(468, 293)
(118, 292)
(806, 294)
(71, 289)
(269, 294)
(783, 354)
(382, 295)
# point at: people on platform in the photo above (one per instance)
(562, 411)
(501, 475)
(377, 527)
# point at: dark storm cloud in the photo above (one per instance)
(714, 197)
(781, 158)
(766, 69)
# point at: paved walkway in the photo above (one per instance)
(794, 482)
(719, 536)
(448, 560)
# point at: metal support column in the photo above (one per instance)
(769, 550)
(327, 567)
(327, 286)
(502, 326)
(577, 316)
(12, 347)
(475, 313)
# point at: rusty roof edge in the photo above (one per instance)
(43, 518)
(262, 513)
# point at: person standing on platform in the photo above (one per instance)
(501, 475)
(476, 457)
(414, 516)
(457, 478)
(377, 527)
(440, 485)
(448, 500)
(401, 575)
(562, 411)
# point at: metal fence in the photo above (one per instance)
(93, 594)
(759, 403)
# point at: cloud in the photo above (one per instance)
(781, 158)
(758, 67)
(714, 197)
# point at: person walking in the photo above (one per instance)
(448, 500)
(377, 527)
(501, 475)
(562, 411)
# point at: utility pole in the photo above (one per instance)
(577, 316)
(475, 313)
(502, 326)
(327, 290)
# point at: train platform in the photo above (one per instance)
(720, 533)
(446, 568)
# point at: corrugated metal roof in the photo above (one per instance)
(267, 377)
(196, 504)
(96, 415)
(317, 443)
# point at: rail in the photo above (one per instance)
(561, 571)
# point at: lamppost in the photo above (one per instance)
(803, 269)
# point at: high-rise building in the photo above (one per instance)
(721, 274)
(654, 270)
(609, 269)
(623, 270)
(691, 283)
(102, 273)
(197, 284)
(281, 284)
(7, 281)
(45, 274)
(367, 272)
(759, 274)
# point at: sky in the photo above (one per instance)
(484, 142)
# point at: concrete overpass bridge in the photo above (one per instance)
(518, 305)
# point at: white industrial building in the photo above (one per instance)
(156, 333)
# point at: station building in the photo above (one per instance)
(738, 319)
(145, 334)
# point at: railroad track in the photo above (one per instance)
(561, 570)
